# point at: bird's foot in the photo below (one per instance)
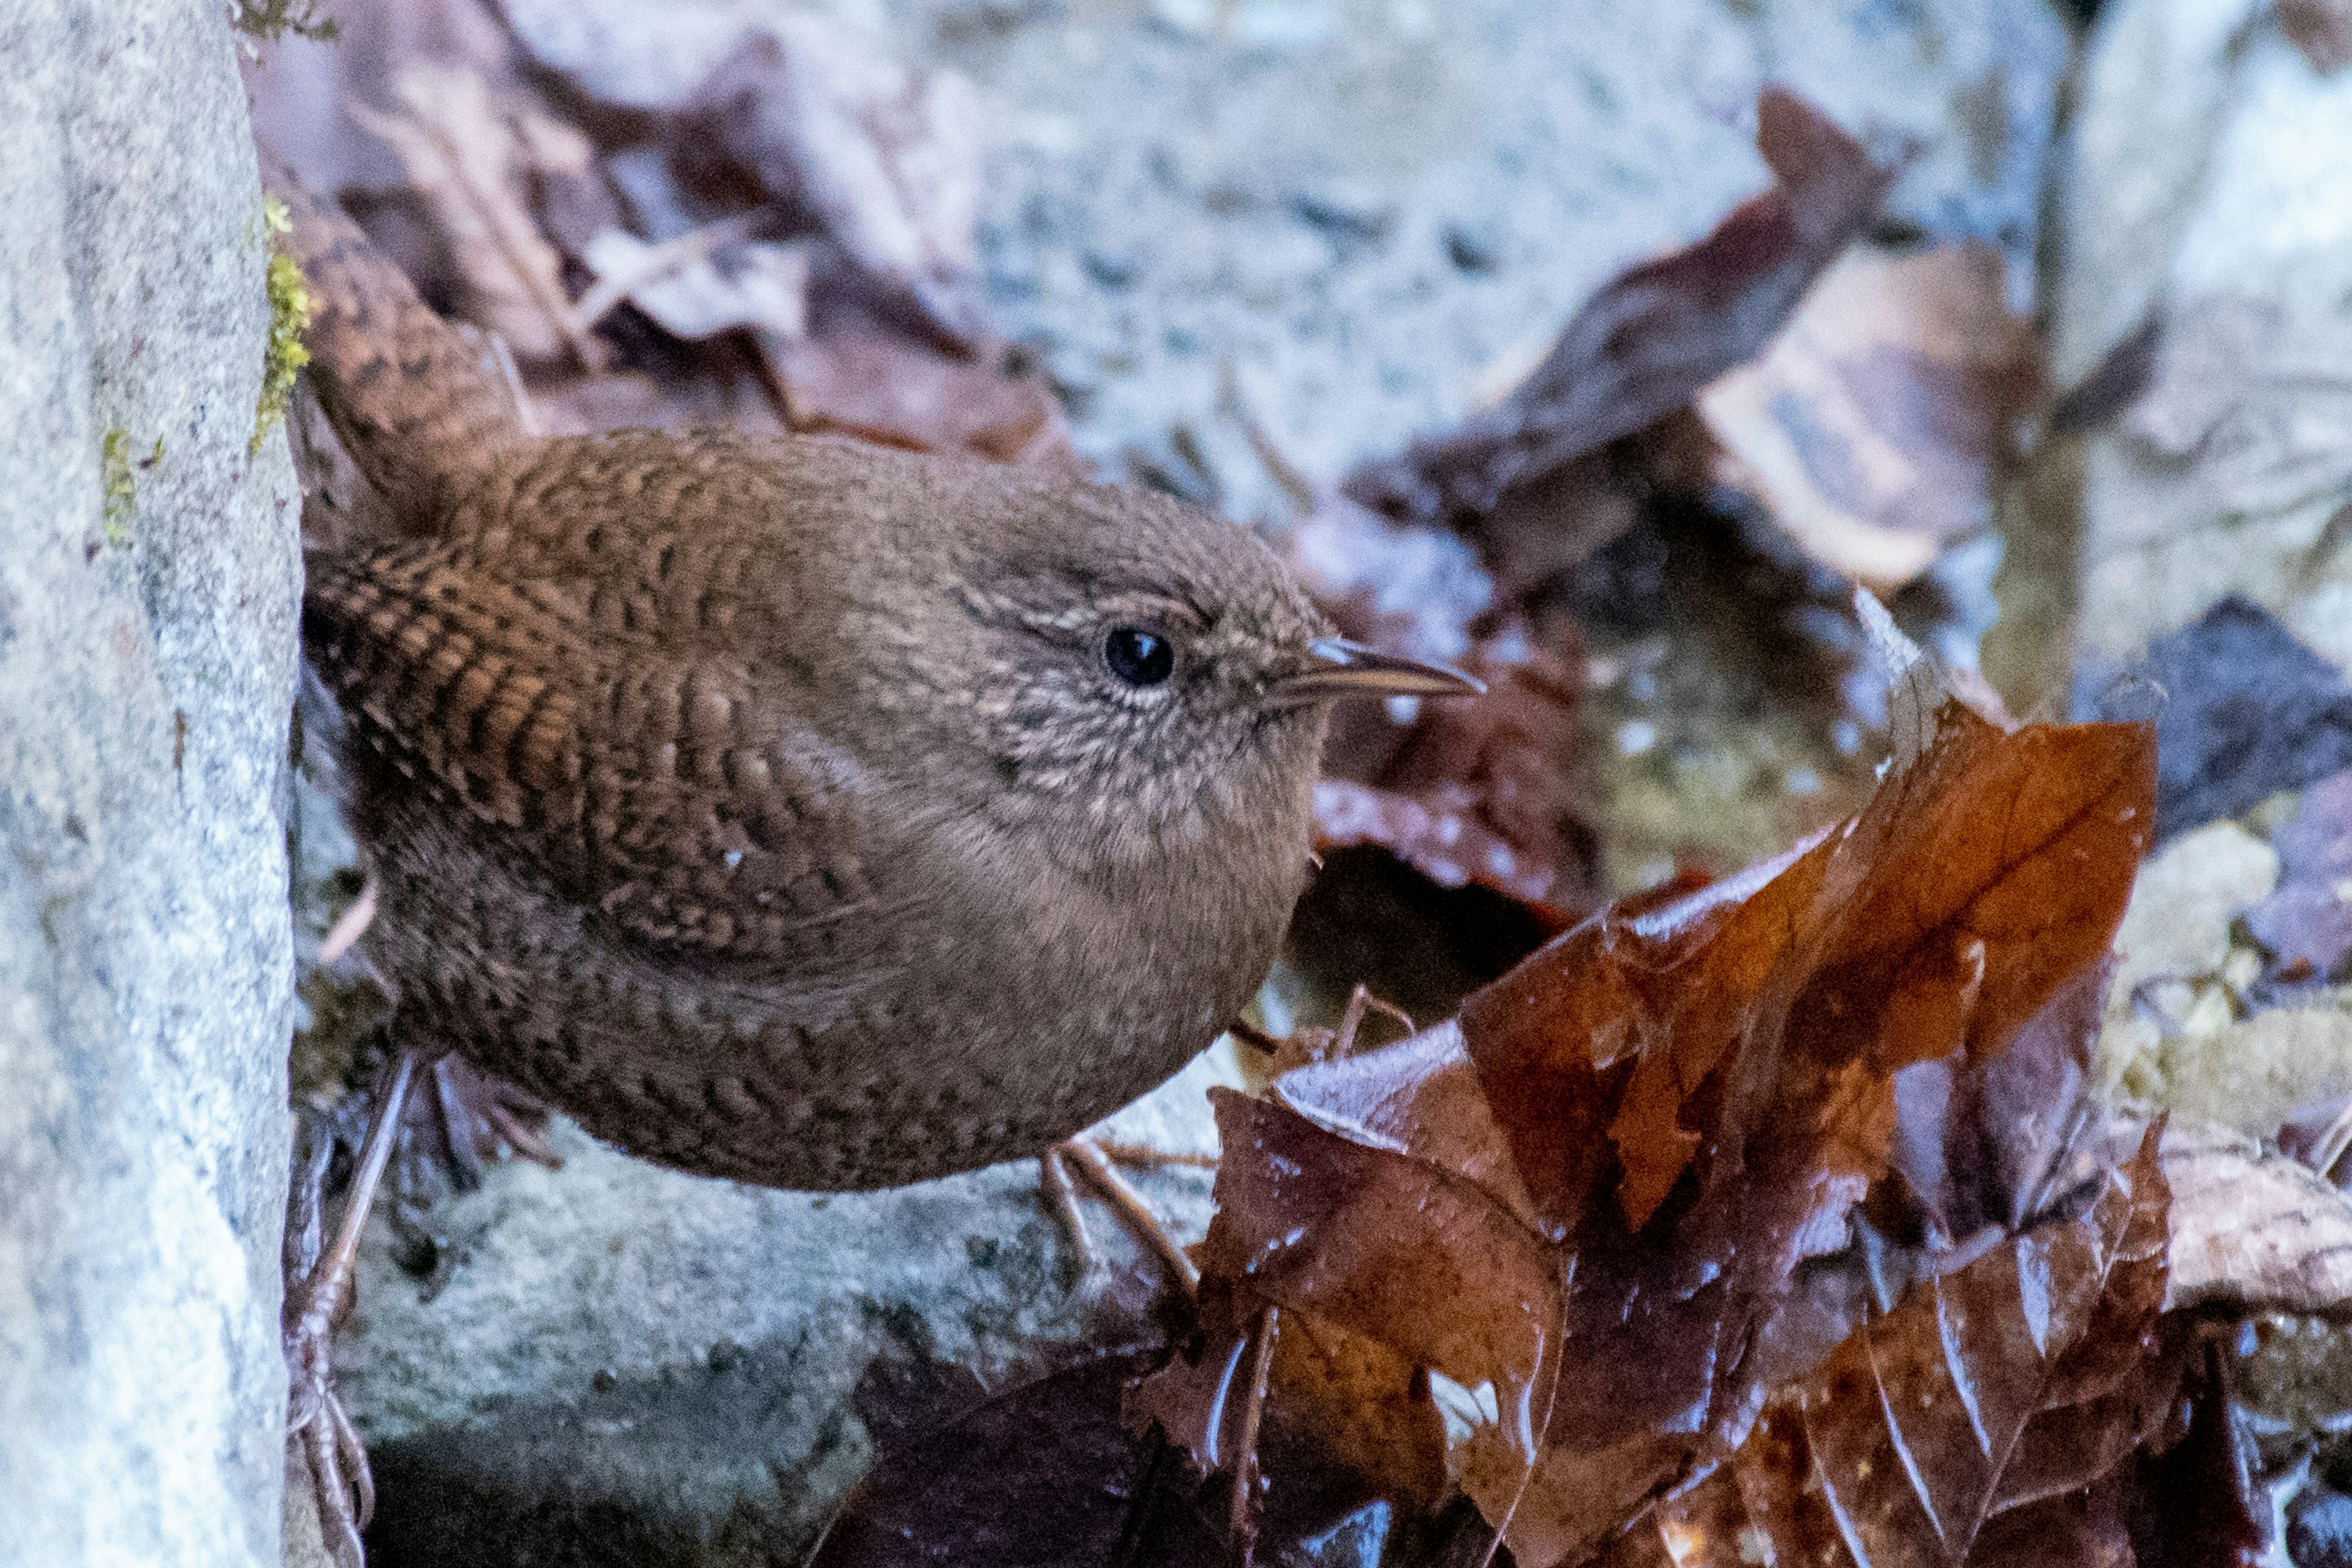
(318, 1293)
(340, 1484)
(1091, 1159)
(475, 1118)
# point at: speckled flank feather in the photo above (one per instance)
(417, 406)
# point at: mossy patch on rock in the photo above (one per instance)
(289, 318)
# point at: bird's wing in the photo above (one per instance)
(663, 784)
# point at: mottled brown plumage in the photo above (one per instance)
(773, 807)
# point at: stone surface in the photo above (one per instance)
(622, 1364)
(148, 577)
(2178, 923)
(2177, 974)
(2255, 1073)
(2209, 192)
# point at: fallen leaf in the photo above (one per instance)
(2309, 917)
(2253, 1232)
(2195, 1502)
(471, 157)
(1645, 344)
(886, 157)
(1991, 1143)
(1042, 1474)
(1487, 792)
(2243, 710)
(1875, 426)
(1675, 1106)
(702, 283)
(1990, 1418)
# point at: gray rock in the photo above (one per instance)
(621, 1363)
(2208, 199)
(148, 577)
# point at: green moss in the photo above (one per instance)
(121, 490)
(270, 20)
(119, 485)
(289, 317)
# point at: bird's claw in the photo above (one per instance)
(1089, 1158)
(341, 1483)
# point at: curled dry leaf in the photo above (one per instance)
(1575, 1206)
(1990, 1418)
(886, 157)
(1493, 792)
(1649, 341)
(471, 157)
(1876, 425)
(2255, 1231)
(2310, 916)
(1484, 791)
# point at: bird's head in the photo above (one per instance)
(1130, 683)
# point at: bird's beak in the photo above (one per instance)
(1342, 669)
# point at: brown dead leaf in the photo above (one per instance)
(1990, 1418)
(888, 156)
(2254, 1231)
(1649, 341)
(471, 157)
(1487, 791)
(1875, 428)
(1675, 1106)
(885, 157)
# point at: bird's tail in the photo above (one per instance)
(422, 408)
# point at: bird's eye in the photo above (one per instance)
(1138, 657)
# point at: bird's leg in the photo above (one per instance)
(1094, 1159)
(1090, 1159)
(315, 1303)
(1359, 1002)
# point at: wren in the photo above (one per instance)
(792, 810)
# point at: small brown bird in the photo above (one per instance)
(792, 810)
